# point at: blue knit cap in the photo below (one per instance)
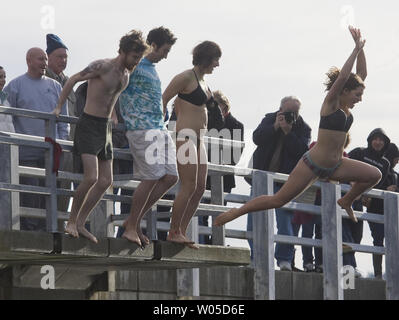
(53, 43)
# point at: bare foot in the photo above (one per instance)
(72, 229)
(226, 217)
(178, 238)
(193, 246)
(144, 240)
(348, 208)
(132, 236)
(83, 232)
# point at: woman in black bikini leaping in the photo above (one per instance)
(190, 107)
(325, 159)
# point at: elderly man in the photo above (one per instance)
(282, 138)
(34, 91)
(57, 63)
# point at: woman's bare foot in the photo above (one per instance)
(83, 232)
(193, 246)
(132, 236)
(348, 208)
(174, 236)
(226, 217)
(72, 229)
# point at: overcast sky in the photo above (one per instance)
(270, 50)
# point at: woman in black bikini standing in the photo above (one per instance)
(190, 107)
(325, 159)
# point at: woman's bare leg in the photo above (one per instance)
(192, 206)
(363, 176)
(188, 182)
(299, 180)
(202, 171)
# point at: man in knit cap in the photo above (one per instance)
(57, 63)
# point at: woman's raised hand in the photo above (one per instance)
(357, 37)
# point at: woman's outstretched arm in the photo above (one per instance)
(361, 66)
(345, 72)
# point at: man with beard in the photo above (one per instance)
(107, 78)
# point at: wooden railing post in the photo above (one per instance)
(15, 204)
(332, 241)
(5, 196)
(151, 227)
(217, 197)
(51, 179)
(391, 228)
(100, 219)
(263, 240)
(188, 282)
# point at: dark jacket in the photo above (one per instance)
(376, 159)
(294, 146)
(234, 126)
(393, 178)
(215, 116)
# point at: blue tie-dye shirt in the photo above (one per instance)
(141, 102)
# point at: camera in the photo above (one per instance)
(290, 117)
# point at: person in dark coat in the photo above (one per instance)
(222, 124)
(231, 129)
(278, 150)
(378, 143)
(392, 154)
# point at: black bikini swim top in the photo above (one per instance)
(337, 121)
(197, 97)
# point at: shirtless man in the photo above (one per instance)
(93, 142)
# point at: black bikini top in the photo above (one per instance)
(337, 121)
(197, 97)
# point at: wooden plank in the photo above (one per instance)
(319, 243)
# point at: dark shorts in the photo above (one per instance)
(93, 135)
(317, 170)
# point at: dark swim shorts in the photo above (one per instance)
(93, 135)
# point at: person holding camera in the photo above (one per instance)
(281, 138)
